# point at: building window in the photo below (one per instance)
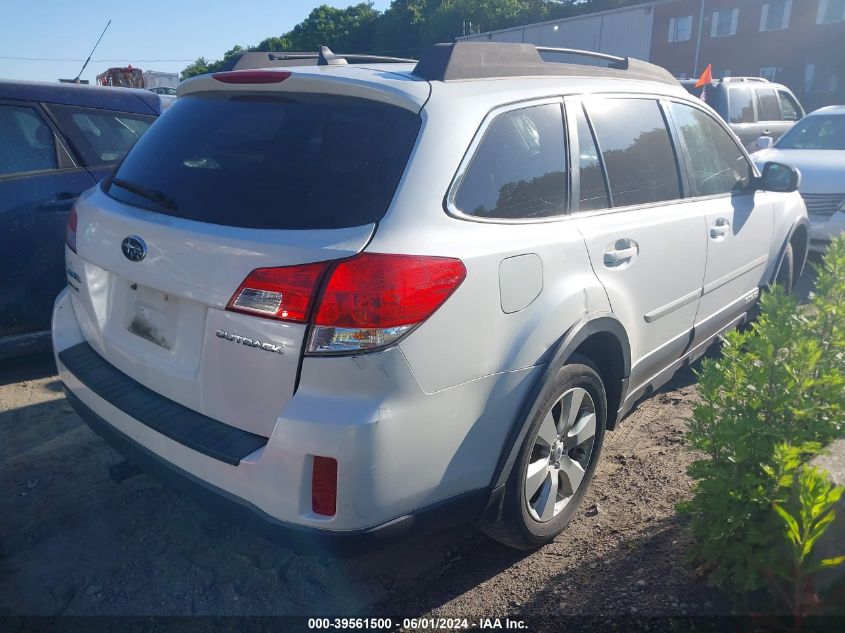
(680, 29)
(775, 15)
(724, 23)
(769, 72)
(830, 11)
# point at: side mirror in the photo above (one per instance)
(779, 177)
(764, 142)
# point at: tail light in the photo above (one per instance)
(70, 230)
(278, 293)
(371, 300)
(324, 486)
(368, 301)
(252, 76)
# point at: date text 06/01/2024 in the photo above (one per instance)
(431, 624)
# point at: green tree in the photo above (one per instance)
(349, 30)
(198, 67)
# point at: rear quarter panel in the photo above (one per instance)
(470, 335)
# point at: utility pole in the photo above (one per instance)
(76, 81)
(695, 72)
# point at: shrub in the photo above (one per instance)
(782, 382)
(805, 519)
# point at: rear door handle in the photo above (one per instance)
(620, 252)
(719, 228)
(61, 202)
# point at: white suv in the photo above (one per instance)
(347, 300)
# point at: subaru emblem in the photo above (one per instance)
(134, 248)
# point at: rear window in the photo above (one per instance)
(741, 105)
(767, 105)
(102, 136)
(637, 150)
(270, 162)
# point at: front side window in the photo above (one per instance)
(774, 15)
(26, 142)
(741, 104)
(717, 164)
(636, 149)
(816, 132)
(102, 137)
(518, 170)
(768, 108)
(723, 23)
(789, 108)
(680, 29)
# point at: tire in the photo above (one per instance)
(526, 520)
(786, 271)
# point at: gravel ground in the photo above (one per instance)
(75, 543)
(72, 542)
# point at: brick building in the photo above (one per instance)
(800, 43)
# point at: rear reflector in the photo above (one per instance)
(324, 486)
(70, 230)
(278, 293)
(252, 76)
(373, 299)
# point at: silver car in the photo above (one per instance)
(346, 301)
(816, 148)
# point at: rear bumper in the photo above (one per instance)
(402, 453)
(459, 509)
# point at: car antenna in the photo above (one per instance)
(76, 81)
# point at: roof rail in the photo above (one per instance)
(324, 57)
(485, 60)
(730, 80)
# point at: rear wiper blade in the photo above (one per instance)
(155, 195)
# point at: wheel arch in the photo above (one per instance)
(799, 237)
(600, 338)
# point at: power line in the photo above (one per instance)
(65, 59)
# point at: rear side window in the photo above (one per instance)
(591, 179)
(636, 149)
(26, 143)
(102, 137)
(717, 164)
(741, 104)
(518, 170)
(789, 108)
(767, 105)
(271, 162)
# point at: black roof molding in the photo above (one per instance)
(487, 60)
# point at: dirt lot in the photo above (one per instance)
(74, 543)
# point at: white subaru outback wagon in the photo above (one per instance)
(346, 300)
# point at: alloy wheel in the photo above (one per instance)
(561, 453)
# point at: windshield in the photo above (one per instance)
(816, 132)
(270, 162)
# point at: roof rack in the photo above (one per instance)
(484, 60)
(324, 57)
(730, 80)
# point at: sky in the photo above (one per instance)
(177, 30)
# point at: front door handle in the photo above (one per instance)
(719, 228)
(621, 252)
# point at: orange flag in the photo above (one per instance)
(706, 77)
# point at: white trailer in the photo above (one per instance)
(157, 79)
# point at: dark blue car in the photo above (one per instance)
(56, 141)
